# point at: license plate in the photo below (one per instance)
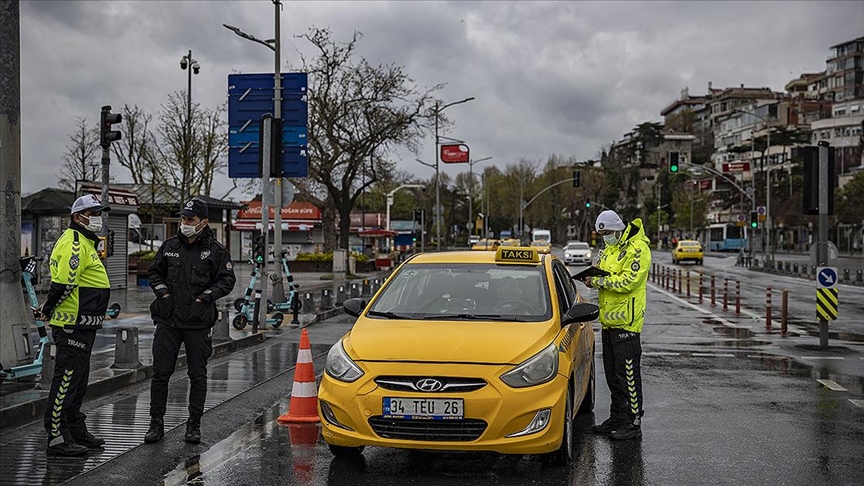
(423, 408)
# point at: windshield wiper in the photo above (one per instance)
(388, 315)
(465, 317)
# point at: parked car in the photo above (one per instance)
(577, 253)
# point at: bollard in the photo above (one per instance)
(768, 309)
(794, 268)
(366, 288)
(126, 349)
(725, 294)
(737, 297)
(688, 284)
(48, 361)
(673, 280)
(680, 287)
(308, 303)
(654, 273)
(713, 293)
(859, 276)
(804, 270)
(784, 309)
(355, 292)
(340, 295)
(846, 275)
(665, 278)
(701, 282)
(220, 329)
(788, 267)
(326, 299)
(376, 285)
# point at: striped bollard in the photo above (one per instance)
(768, 309)
(737, 297)
(725, 294)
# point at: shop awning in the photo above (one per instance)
(251, 225)
(375, 233)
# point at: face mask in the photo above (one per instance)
(94, 224)
(610, 240)
(189, 230)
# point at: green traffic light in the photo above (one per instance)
(673, 168)
(587, 205)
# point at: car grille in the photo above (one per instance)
(428, 430)
(449, 384)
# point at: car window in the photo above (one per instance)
(578, 246)
(690, 244)
(463, 291)
(565, 287)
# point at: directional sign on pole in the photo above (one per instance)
(250, 96)
(826, 277)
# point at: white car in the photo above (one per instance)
(577, 253)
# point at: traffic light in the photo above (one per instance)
(754, 219)
(673, 162)
(575, 178)
(587, 202)
(106, 135)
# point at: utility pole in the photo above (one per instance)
(278, 287)
(822, 249)
(11, 297)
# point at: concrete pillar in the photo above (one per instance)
(308, 303)
(341, 296)
(126, 349)
(355, 291)
(326, 299)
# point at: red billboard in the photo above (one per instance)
(454, 154)
(736, 167)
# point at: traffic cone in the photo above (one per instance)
(303, 407)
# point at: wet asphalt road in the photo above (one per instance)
(726, 403)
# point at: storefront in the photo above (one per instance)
(301, 229)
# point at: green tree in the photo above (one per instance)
(850, 200)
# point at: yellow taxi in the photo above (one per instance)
(464, 351)
(486, 244)
(542, 246)
(688, 250)
(511, 242)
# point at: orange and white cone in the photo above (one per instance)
(303, 407)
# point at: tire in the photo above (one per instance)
(277, 320)
(587, 405)
(114, 310)
(238, 303)
(345, 451)
(239, 322)
(699, 262)
(564, 455)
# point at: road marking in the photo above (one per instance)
(694, 306)
(710, 355)
(857, 403)
(832, 385)
(822, 357)
(660, 353)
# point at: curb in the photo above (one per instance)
(117, 379)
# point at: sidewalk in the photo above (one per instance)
(23, 402)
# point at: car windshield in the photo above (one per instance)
(690, 244)
(466, 291)
(578, 246)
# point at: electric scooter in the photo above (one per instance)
(28, 270)
(292, 299)
(245, 305)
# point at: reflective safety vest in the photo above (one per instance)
(621, 295)
(76, 266)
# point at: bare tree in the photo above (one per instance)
(80, 160)
(133, 148)
(358, 115)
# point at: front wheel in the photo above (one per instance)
(238, 303)
(239, 322)
(564, 454)
(277, 320)
(113, 310)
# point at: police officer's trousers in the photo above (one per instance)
(622, 355)
(166, 346)
(64, 420)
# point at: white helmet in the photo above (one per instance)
(609, 221)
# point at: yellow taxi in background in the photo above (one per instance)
(464, 351)
(511, 242)
(688, 250)
(486, 244)
(542, 246)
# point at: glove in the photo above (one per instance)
(163, 293)
(205, 298)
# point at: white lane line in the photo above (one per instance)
(693, 306)
(660, 353)
(832, 385)
(857, 403)
(822, 357)
(711, 355)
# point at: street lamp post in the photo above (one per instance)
(767, 180)
(471, 189)
(188, 63)
(390, 196)
(438, 109)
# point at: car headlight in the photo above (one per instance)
(536, 370)
(340, 366)
(587, 254)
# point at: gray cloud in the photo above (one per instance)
(548, 77)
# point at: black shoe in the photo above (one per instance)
(90, 441)
(193, 432)
(628, 431)
(67, 449)
(608, 426)
(156, 431)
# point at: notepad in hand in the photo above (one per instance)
(591, 272)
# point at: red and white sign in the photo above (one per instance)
(706, 184)
(297, 210)
(736, 166)
(454, 154)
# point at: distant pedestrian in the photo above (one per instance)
(190, 273)
(75, 308)
(622, 299)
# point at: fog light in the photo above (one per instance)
(331, 417)
(538, 423)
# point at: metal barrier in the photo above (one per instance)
(768, 309)
(126, 349)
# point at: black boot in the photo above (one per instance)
(608, 426)
(67, 449)
(193, 431)
(89, 440)
(156, 431)
(630, 430)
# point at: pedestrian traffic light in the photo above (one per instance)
(673, 162)
(754, 219)
(575, 178)
(587, 202)
(106, 135)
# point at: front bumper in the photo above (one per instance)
(577, 259)
(504, 410)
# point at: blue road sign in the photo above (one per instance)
(250, 96)
(826, 277)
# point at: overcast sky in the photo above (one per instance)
(548, 77)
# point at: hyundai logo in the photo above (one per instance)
(428, 385)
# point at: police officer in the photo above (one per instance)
(621, 297)
(190, 273)
(75, 308)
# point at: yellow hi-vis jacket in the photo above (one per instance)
(621, 295)
(79, 293)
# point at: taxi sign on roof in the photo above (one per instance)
(517, 255)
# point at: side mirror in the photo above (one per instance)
(354, 307)
(581, 312)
